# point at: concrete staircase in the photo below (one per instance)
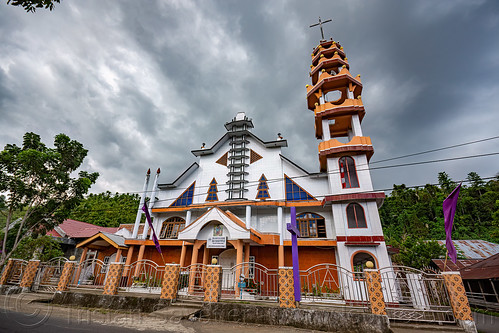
(180, 309)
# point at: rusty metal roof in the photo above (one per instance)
(474, 248)
(453, 267)
(485, 269)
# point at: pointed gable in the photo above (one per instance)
(294, 192)
(185, 199)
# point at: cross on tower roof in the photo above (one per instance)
(320, 24)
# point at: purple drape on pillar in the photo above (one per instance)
(148, 218)
(449, 207)
(295, 233)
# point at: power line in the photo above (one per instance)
(437, 149)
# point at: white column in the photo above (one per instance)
(357, 130)
(248, 217)
(151, 203)
(326, 134)
(188, 215)
(142, 200)
(279, 224)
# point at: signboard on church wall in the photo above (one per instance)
(216, 242)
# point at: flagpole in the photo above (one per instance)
(445, 262)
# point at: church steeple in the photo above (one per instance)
(335, 98)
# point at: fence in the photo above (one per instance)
(144, 276)
(17, 271)
(411, 294)
(333, 285)
(49, 273)
(89, 274)
(191, 280)
(250, 281)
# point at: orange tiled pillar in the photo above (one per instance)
(373, 284)
(212, 283)
(169, 286)
(286, 288)
(6, 272)
(458, 299)
(66, 275)
(29, 274)
(113, 278)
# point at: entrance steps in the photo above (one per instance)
(180, 309)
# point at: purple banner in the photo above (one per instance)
(154, 238)
(449, 207)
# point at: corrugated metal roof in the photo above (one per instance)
(453, 267)
(485, 269)
(474, 248)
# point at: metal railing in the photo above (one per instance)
(250, 281)
(89, 274)
(413, 295)
(16, 273)
(144, 276)
(333, 285)
(49, 273)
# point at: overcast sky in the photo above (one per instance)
(142, 83)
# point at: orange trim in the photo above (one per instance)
(314, 203)
(302, 242)
(364, 251)
(104, 237)
(162, 242)
(234, 218)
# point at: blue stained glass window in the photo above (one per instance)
(263, 189)
(295, 193)
(212, 191)
(185, 199)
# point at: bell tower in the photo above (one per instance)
(344, 153)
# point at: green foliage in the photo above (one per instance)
(29, 248)
(107, 210)
(32, 5)
(417, 212)
(36, 182)
(416, 252)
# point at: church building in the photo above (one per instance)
(232, 205)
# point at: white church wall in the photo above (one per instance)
(265, 219)
(209, 169)
(316, 187)
(269, 165)
(363, 175)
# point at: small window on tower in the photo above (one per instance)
(348, 172)
(355, 216)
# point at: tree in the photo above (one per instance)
(44, 247)
(32, 5)
(418, 253)
(107, 210)
(37, 180)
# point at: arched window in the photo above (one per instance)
(348, 172)
(355, 216)
(311, 225)
(171, 227)
(359, 261)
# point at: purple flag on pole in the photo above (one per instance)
(449, 207)
(154, 238)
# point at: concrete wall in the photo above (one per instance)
(321, 320)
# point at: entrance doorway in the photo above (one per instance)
(228, 259)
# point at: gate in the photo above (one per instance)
(49, 273)
(334, 285)
(89, 274)
(18, 268)
(250, 281)
(414, 295)
(144, 276)
(191, 281)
